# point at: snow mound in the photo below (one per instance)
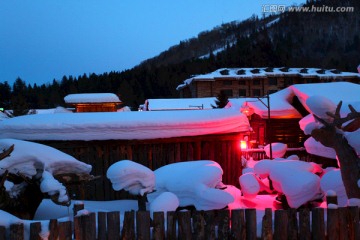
(320, 105)
(27, 157)
(314, 147)
(295, 179)
(332, 181)
(249, 185)
(132, 177)
(165, 202)
(278, 149)
(194, 183)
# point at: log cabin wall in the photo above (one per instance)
(223, 149)
(282, 130)
(101, 107)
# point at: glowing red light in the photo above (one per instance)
(243, 144)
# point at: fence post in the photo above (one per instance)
(304, 223)
(210, 224)
(332, 226)
(293, 224)
(331, 198)
(199, 225)
(250, 221)
(113, 225)
(85, 227)
(128, 231)
(35, 229)
(354, 222)
(158, 225)
(101, 218)
(17, 231)
(77, 207)
(2, 233)
(65, 230)
(349, 222)
(267, 233)
(318, 229)
(143, 225)
(53, 229)
(171, 225)
(184, 222)
(238, 224)
(281, 225)
(224, 224)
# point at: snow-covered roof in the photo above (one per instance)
(180, 103)
(92, 98)
(263, 72)
(124, 125)
(280, 102)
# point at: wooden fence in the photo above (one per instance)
(319, 223)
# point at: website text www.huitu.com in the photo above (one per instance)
(278, 8)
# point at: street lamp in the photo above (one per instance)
(248, 111)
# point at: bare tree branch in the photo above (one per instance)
(6, 152)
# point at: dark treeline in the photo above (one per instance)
(323, 40)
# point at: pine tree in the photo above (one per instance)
(221, 100)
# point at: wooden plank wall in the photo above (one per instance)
(223, 149)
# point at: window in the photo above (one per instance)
(228, 92)
(256, 92)
(256, 82)
(242, 82)
(227, 82)
(242, 92)
(273, 81)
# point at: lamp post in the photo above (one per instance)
(249, 111)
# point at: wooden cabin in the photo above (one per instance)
(93, 102)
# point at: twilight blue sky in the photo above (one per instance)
(42, 40)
